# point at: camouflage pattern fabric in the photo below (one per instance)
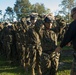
(45, 64)
(34, 45)
(49, 42)
(18, 46)
(1, 42)
(49, 63)
(8, 42)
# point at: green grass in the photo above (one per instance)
(66, 57)
(7, 68)
(64, 72)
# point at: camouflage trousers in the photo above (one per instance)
(33, 59)
(73, 70)
(19, 51)
(35, 55)
(8, 50)
(23, 55)
(49, 63)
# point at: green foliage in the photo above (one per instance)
(0, 12)
(22, 7)
(8, 68)
(10, 13)
(38, 8)
(66, 6)
(64, 72)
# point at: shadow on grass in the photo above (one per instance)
(11, 68)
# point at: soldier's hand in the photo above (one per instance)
(69, 44)
(57, 50)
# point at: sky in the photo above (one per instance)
(53, 5)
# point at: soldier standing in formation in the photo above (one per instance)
(49, 43)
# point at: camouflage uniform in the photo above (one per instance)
(45, 64)
(4, 41)
(1, 42)
(49, 59)
(35, 49)
(18, 42)
(49, 65)
(61, 24)
(8, 42)
(48, 46)
(24, 29)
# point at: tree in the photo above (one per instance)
(22, 8)
(0, 12)
(38, 8)
(48, 11)
(10, 13)
(0, 15)
(67, 5)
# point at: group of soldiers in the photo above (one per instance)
(32, 43)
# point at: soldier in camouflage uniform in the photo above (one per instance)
(21, 28)
(18, 42)
(62, 28)
(27, 52)
(32, 21)
(1, 29)
(49, 62)
(35, 49)
(8, 39)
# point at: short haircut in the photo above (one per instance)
(73, 10)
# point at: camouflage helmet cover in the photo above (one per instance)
(48, 19)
